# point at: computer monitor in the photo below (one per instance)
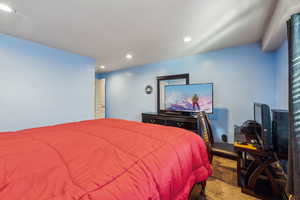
(262, 116)
(280, 131)
(258, 113)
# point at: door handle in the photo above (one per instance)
(179, 124)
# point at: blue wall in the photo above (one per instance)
(282, 77)
(241, 75)
(42, 86)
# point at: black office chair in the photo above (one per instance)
(205, 131)
(222, 149)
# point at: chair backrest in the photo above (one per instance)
(205, 131)
(210, 132)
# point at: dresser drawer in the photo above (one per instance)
(153, 120)
(180, 124)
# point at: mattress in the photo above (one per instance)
(106, 159)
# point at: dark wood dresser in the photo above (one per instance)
(180, 121)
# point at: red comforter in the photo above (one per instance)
(101, 160)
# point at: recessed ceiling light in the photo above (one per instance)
(6, 8)
(128, 56)
(102, 67)
(187, 39)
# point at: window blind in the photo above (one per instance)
(294, 105)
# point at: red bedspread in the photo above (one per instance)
(101, 160)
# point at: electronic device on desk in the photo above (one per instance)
(280, 131)
(274, 132)
(189, 99)
(251, 132)
(262, 116)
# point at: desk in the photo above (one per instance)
(253, 165)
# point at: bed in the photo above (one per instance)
(106, 159)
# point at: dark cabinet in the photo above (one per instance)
(185, 122)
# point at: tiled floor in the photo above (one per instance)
(220, 190)
(223, 183)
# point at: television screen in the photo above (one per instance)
(189, 98)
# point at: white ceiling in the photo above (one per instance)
(276, 31)
(151, 30)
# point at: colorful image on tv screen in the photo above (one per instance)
(189, 98)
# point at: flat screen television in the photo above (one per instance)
(189, 98)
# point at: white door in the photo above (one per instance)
(100, 99)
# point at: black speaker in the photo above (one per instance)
(262, 115)
(280, 129)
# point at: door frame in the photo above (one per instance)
(95, 100)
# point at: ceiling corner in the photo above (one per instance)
(276, 31)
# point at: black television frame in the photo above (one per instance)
(186, 77)
(187, 112)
